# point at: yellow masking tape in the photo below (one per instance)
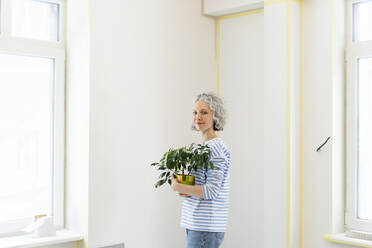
(328, 237)
(280, 1)
(251, 12)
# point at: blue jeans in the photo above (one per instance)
(197, 239)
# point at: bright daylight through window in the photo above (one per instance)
(32, 57)
(364, 210)
(359, 115)
(26, 135)
(35, 19)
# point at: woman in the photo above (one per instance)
(205, 206)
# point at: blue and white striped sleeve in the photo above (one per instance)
(214, 178)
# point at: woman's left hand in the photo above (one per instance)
(187, 190)
(174, 184)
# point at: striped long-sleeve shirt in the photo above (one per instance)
(210, 213)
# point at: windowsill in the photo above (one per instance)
(342, 239)
(30, 240)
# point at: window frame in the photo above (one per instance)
(354, 51)
(47, 49)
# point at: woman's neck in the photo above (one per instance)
(208, 135)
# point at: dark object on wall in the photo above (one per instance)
(325, 142)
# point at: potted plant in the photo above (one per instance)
(182, 162)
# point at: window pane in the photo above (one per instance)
(365, 139)
(362, 21)
(26, 136)
(35, 20)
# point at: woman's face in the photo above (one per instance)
(203, 116)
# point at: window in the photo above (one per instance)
(32, 58)
(359, 115)
(35, 20)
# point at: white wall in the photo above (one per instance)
(77, 116)
(241, 86)
(323, 117)
(223, 7)
(275, 126)
(148, 60)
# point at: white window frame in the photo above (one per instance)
(55, 51)
(354, 51)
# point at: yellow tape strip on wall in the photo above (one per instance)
(328, 237)
(280, 1)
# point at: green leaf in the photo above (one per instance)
(160, 183)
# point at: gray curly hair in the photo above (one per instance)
(216, 105)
